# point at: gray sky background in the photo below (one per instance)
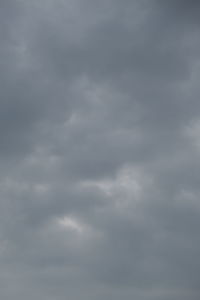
(99, 149)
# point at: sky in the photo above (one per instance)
(99, 149)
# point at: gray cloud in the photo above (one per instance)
(99, 152)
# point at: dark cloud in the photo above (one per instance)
(99, 151)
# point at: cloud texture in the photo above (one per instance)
(99, 149)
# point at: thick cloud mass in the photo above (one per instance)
(99, 150)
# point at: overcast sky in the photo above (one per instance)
(99, 149)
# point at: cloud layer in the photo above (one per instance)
(99, 150)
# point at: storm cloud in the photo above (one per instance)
(99, 149)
